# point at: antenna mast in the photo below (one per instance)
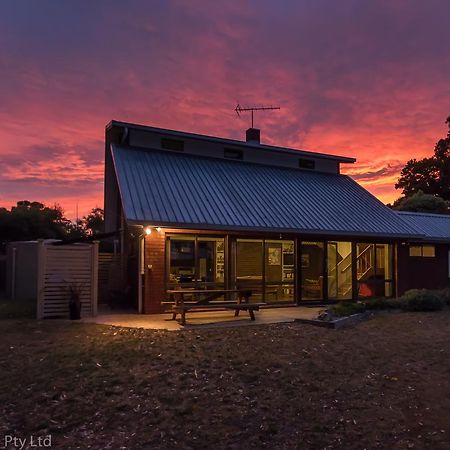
(239, 109)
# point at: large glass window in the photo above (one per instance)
(340, 266)
(312, 260)
(374, 270)
(197, 262)
(182, 260)
(365, 269)
(385, 270)
(267, 267)
(279, 271)
(249, 266)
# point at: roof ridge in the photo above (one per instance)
(416, 213)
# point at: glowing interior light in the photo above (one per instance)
(158, 229)
(148, 230)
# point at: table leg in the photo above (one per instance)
(252, 314)
(236, 311)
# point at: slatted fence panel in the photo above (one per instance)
(60, 266)
(105, 261)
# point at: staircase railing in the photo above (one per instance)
(364, 265)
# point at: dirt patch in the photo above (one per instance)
(383, 384)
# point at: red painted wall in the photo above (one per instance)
(422, 273)
(154, 278)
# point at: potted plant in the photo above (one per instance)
(75, 290)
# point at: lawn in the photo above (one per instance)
(384, 384)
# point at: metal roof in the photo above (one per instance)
(435, 227)
(202, 137)
(179, 190)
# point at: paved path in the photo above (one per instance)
(211, 319)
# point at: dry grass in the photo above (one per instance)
(384, 384)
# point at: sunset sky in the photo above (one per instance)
(363, 78)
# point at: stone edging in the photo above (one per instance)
(341, 322)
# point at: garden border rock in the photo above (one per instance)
(340, 322)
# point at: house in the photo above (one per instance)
(206, 212)
(425, 263)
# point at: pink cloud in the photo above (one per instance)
(357, 79)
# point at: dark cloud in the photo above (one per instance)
(388, 170)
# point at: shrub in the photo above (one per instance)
(346, 308)
(444, 295)
(17, 309)
(382, 303)
(422, 300)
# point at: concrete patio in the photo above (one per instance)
(210, 319)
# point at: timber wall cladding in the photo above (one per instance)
(108, 272)
(58, 266)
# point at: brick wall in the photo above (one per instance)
(154, 279)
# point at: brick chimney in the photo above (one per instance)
(253, 136)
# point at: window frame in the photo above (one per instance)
(422, 253)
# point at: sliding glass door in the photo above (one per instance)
(279, 271)
(374, 270)
(340, 270)
(249, 257)
(312, 264)
(267, 268)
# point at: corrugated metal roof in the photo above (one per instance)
(433, 226)
(168, 189)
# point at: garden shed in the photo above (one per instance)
(47, 270)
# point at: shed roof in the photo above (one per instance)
(435, 227)
(186, 191)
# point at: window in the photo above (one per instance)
(426, 251)
(195, 260)
(233, 154)
(306, 163)
(415, 250)
(172, 144)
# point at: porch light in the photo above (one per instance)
(158, 229)
(148, 231)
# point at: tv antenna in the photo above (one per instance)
(239, 109)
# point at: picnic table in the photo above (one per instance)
(203, 300)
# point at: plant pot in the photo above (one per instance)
(75, 311)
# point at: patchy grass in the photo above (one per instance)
(17, 309)
(384, 384)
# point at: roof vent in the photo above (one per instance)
(252, 135)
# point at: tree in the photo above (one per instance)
(420, 202)
(32, 220)
(94, 222)
(429, 175)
